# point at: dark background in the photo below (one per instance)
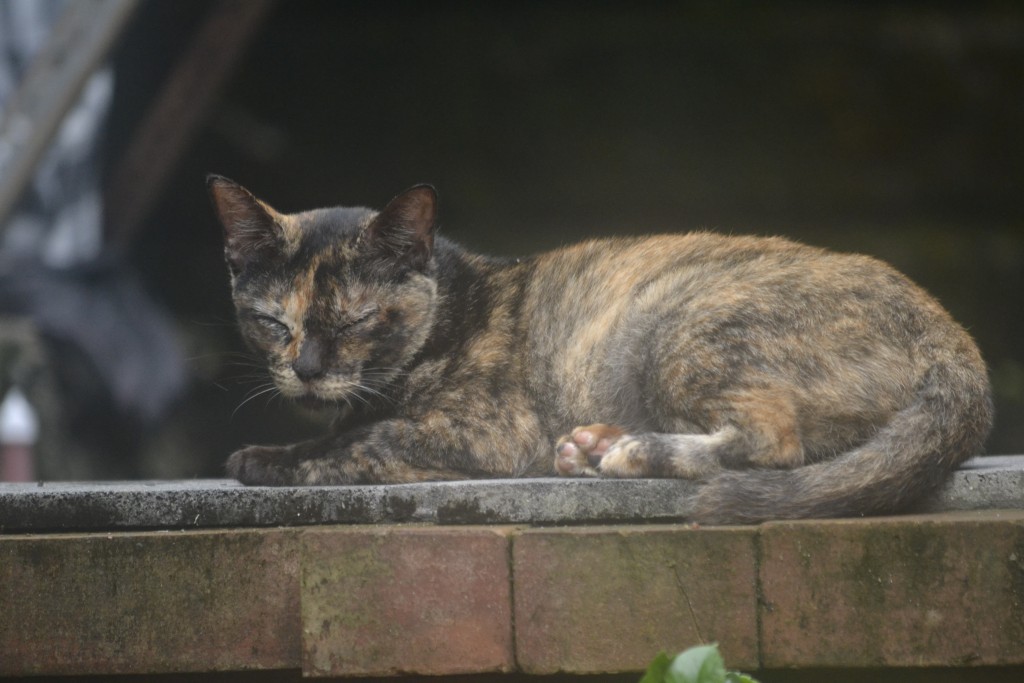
(893, 129)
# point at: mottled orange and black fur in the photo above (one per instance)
(792, 381)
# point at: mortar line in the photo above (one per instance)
(759, 600)
(512, 537)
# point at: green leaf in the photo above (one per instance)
(737, 677)
(656, 671)
(702, 664)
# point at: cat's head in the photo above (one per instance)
(336, 301)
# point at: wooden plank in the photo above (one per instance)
(174, 117)
(79, 43)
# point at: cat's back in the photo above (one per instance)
(619, 266)
(582, 291)
(585, 288)
(606, 313)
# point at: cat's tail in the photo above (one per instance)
(908, 458)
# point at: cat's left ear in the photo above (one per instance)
(404, 229)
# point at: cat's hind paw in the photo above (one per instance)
(580, 454)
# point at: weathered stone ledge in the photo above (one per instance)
(983, 483)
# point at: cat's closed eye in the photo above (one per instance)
(274, 326)
(359, 317)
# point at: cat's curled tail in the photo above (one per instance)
(908, 458)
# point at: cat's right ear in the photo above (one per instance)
(403, 231)
(253, 231)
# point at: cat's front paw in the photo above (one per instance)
(263, 466)
(583, 453)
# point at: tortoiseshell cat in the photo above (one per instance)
(795, 382)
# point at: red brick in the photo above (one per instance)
(425, 600)
(148, 602)
(608, 599)
(938, 590)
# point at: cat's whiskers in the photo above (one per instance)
(355, 395)
(234, 355)
(251, 378)
(255, 392)
(254, 368)
(374, 380)
(373, 392)
(386, 373)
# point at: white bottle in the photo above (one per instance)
(19, 429)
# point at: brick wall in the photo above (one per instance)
(937, 590)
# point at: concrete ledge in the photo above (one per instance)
(226, 503)
(983, 483)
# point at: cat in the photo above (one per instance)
(791, 381)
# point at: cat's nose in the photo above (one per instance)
(309, 363)
(307, 373)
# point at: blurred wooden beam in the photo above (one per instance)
(79, 43)
(174, 117)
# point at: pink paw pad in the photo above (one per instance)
(579, 453)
